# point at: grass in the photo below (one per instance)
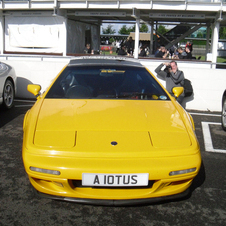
(221, 59)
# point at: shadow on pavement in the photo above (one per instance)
(7, 116)
(199, 179)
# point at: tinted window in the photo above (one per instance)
(106, 82)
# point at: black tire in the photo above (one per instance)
(223, 114)
(8, 95)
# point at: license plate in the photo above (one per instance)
(115, 180)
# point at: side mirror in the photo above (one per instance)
(34, 89)
(177, 91)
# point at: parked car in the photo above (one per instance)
(7, 85)
(107, 132)
(223, 112)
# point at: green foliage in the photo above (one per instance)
(132, 29)
(111, 40)
(162, 29)
(199, 42)
(222, 33)
(221, 59)
(144, 28)
(108, 30)
(199, 35)
(195, 42)
(124, 30)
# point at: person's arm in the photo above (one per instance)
(179, 79)
(165, 54)
(162, 74)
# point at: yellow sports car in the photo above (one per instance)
(106, 132)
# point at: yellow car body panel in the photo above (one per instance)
(65, 139)
(74, 137)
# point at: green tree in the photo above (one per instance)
(162, 29)
(199, 35)
(144, 28)
(108, 30)
(132, 28)
(111, 40)
(124, 30)
(222, 33)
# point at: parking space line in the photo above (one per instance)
(207, 137)
(27, 105)
(26, 101)
(204, 114)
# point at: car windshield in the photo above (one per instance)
(106, 82)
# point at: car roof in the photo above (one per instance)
(104, 60)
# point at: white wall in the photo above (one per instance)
(208, 84)
(36, 32)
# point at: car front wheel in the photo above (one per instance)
(223, 115)
(8, 95)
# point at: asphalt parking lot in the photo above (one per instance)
(206, 205)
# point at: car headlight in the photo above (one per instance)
(178, 172)
(47, 171)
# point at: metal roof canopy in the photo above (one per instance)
(183, 11)
(146, 16)
(187, 11)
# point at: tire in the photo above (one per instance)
(8, 95)
(223, 114)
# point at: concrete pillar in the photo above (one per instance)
(156, 36)
(2, 25)
(215, 35)
(137, 35)
(151, 37)
(207, 40)
(65, 38)
(211, 47)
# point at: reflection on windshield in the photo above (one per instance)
(106, 82)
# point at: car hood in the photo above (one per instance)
(96, 125)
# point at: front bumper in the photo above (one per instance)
(68, 187)
(125, 202)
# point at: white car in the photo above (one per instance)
(223, 112)
(7, 86)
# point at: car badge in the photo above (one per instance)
(113, 143)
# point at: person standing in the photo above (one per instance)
(130, 46)
(117, 46)
(173, 77)
(189, 45)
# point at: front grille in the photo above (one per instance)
(78, 184)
